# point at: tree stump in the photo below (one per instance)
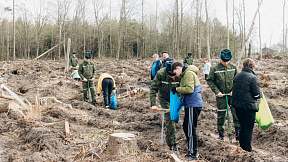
(122, 144)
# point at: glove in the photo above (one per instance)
(173, 90)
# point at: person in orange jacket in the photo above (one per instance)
(106, 83)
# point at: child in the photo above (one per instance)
(206, 68)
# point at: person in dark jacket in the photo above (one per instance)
(156, 65)
(190, 89)
(166, 60)
(246, 91)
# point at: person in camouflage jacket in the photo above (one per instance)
(73, 61)
(161, 84)
(188, 59)
(220, 80)
(86, 72)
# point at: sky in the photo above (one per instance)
(271, 14)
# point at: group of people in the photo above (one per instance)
(238, 90)
(86, 71)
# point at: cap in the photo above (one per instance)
(189, 54)
(226, 55)
(87, 55)
(74, 52)
(169, 69)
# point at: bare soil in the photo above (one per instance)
(90, 126)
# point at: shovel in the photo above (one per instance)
(161, 142)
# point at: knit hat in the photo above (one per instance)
(74, 52)
(189, 54)
(226, 55)
(87, 55)
(169, 69)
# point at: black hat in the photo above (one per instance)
(169, 69)
(74, 52)
(189, 54)
(87, 55)
(226, 55)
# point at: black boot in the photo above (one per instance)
(221, 137)
(173, 147)
(237, 132)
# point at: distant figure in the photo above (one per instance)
(156, 65)
(86, 71)
(188, 59)
(106, 83)
(74, 66)
(220, 80)
(166, 60)
(206, 68)
(246, 91)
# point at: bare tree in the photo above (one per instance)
(197, 29)
(208, 32)
(260, 46)
(250, 31)
(227, 17)
(177, 29)
(284, 44)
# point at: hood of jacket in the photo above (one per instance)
(193, 68)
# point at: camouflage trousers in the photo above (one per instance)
(221, 114)
(170, 133)
(92, 94)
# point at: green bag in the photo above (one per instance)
(264, 117)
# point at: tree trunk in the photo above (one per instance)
(227, 24)
(197, 29)
(260, 43)
(122, 144)
(208, 32)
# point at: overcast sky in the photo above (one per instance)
(271, 13)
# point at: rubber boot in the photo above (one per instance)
(221, 137)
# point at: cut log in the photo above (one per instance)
(6, 97)
(175, 158)
(14, 110)
(122, 144)
(14, 95)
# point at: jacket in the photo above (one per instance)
(190, 87)
(221, 77)
(156, 68)
(162, 84)
(73, 61)
(164, 62)
(206, 68)
(188, 60)
(103, 76)
(86, 70)
(246, 90)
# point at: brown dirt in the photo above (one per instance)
(90, 127)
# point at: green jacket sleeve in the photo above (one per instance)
(211, 81)
(94, 71)
(185, 60)
(80, 71)
(70, 61)
(187, 84)
(154, 90)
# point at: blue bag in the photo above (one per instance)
(113, 103)
(175, 107)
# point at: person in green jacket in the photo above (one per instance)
(86, 71)
(220, 80)
(188, 59)
(161, 84)
(73, 61)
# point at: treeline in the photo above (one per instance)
(107, 37)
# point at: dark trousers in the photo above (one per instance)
(246, 120)
(206, 76)
(189, 127)
(107, 87)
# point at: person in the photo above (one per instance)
(246, 91)
(156, 65)
(190, 90)
(161, 84)
(86, 71)
(220, 80)
(106, 83)
(188, 59)
(206, 68)
(74, 66)
(166, 59)
(73, 61)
